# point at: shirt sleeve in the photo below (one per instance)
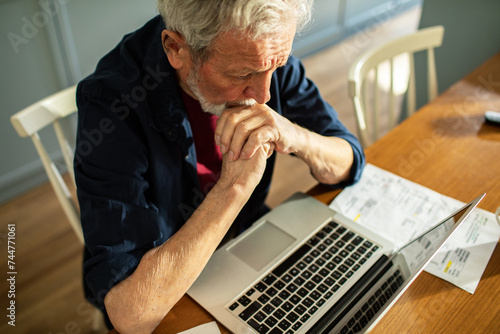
(301, 102)
(118, 222)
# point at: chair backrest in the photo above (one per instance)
(29, 121)
(368, 106)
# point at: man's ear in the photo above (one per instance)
(175, 48)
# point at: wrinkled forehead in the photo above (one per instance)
(239, 49)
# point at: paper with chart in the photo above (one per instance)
(399, 210)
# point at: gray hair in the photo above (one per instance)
(201, 21)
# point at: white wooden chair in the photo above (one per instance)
(28, 122)
(365, 75)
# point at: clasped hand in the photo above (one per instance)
(242, 130)
(247, 136)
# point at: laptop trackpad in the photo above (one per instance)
(262, 245)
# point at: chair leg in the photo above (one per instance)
(97, 322)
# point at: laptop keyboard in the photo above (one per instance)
(287, 297)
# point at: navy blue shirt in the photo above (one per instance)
(135, 160)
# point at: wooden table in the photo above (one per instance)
(447, 147)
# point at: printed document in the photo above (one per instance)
(400, 210)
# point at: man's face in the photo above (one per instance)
(238, 71)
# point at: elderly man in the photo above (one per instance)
(177, 129)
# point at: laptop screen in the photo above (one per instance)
(418, 251)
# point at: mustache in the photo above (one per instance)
(249, 102)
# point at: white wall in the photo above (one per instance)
(45, 48)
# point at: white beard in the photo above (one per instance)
(214, 109)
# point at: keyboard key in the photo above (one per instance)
(327, 230)
(259, 316)
(296, 326)
(329, 281)
(300, 309)
(287, 306)
(279, 314)
(271, 321)
(263, 299)
(294, 271)
(308, 302)
(261, 329)
(313, 268)
(250, 311)
(261, 287)
(315, 295)
(302, 292)
(269, 279)
(310, 285)
(271, 292)
(333, 250)
(268, 309)
(322, 288)
(330, 266)
(336, 275)
(358, 240)
(301, 265)
(348, 236)
(295, 299)
(342, 268)
(234, 306)
(343, 254)
(312, 310)
(317, 278)
(327, 256)
(349, 262)
(333, 224)
(284, 294)
(276, 331)
(367, 244)
(320, 235)
(279, 285)
(284, 324)
(299, 281)
(292, 317)
(313, 242)
(276, 302)
(315, 253)
(244, 301)
(337, 259)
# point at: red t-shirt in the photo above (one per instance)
(209, 157)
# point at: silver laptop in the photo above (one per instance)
(304, 268)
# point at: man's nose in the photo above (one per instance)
(258, 88)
